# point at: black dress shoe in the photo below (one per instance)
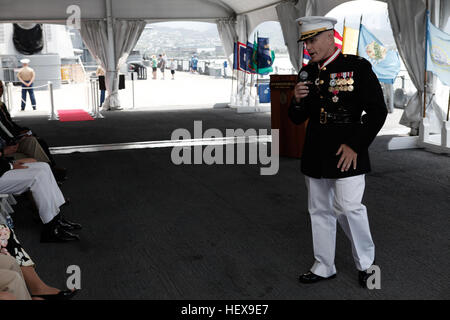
(69, 225)
(363, 276)
(59, 173)
(310, 277)
(62, 295)
(67, 201)
(58, 234)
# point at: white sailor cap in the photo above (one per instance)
(313, 25)
(25, 61)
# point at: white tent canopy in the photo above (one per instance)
(54, 11)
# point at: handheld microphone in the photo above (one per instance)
(303, 76)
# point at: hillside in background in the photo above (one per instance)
(186, 37)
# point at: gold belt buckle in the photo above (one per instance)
(323, 116)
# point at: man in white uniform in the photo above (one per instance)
(26, 75)
(332, 92)
(19, 176)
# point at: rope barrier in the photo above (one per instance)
(27, 88)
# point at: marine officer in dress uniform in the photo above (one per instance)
(332, 92)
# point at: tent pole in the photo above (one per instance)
(425, 78)
(111, 68)
(448, 107)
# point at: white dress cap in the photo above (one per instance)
(313, 25)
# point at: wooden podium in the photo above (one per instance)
(291, 136)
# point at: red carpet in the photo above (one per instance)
(74, 115)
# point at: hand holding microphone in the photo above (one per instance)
(301, 89)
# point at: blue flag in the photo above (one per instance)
(263, 58)
(438, 53)
(235, 57)
(248, 58)
(385, 63)
(242, 57)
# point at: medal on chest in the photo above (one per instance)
(340, 82)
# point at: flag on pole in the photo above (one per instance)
(438, 53)
(338, 39)
(306, 56)
(263, 57)
(385, 63)
(249, 58)
(242, 54)
(350, 40)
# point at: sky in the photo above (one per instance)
(374, 18)
(190, 25)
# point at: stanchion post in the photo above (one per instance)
(10, 95)
(95, 99)
(53, 116)
(132, 85)
(92, 95)
(88, 95)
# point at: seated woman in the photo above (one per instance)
(12, 284)
(10, 246)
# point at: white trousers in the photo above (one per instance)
(39, 179)
(331, 200)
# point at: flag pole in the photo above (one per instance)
(343, 36)
(237, 85)
(245, 75)
(251, 79)
(425, 78)
(257, 74)
(237, 72)
(448, 107)
(359, 34)
(232, 73)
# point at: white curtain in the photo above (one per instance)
(408, 22)
(228, 36)
(242, 28)
(287, 13)
(126, 35)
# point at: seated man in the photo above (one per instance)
(21, 142)
(19, 176)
